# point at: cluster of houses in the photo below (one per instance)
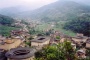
(16, 40)
(14, 47)
(79, 42)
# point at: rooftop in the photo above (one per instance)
(88, 40)
(20, 53)
(80, 37)
(82, 51)
(40, 39)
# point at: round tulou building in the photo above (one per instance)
(22, 53)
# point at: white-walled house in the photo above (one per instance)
(40, 41)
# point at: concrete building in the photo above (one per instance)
(21, 54)
(40, 41)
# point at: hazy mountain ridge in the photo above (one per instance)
(12, 11)
(65, 10)
(6, 20)
(57, 11)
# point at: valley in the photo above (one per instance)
(46, 26)
(55, 31)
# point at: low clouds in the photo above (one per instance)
(32, 4)
(25, 3)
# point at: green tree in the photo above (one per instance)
(79, 25)
(62, 51)
(57, 37)
(5, 20)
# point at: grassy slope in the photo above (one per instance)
(44, 26)
(67, 32)
(60, 28)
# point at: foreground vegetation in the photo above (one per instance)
(62, 51)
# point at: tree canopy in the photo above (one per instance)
(63, 51)
(79, 25)
(5, 20)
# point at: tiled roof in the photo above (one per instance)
(81, 37)
(88, 40)
(20, 53)
(40, 39)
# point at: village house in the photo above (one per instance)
(65, 38)
(79, 39)
(55, 37)
(52, 39)
(88, 43)
(20, 34)
(22, 53)
(58, 37)
(2, 39)
(10, 43)
(56, 33)
(40, 41)
(18, 23)
(73, 45)
(81, 53)
(17, 32)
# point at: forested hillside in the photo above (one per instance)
(5, 20)
(79, 25)
(57, 11)
(5, 25)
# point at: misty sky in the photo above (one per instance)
(30, 4)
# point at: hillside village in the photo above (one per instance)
(21, 45)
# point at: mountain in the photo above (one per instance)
(57, 11)
(10, 11)
(5, 25)
(5, 20)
